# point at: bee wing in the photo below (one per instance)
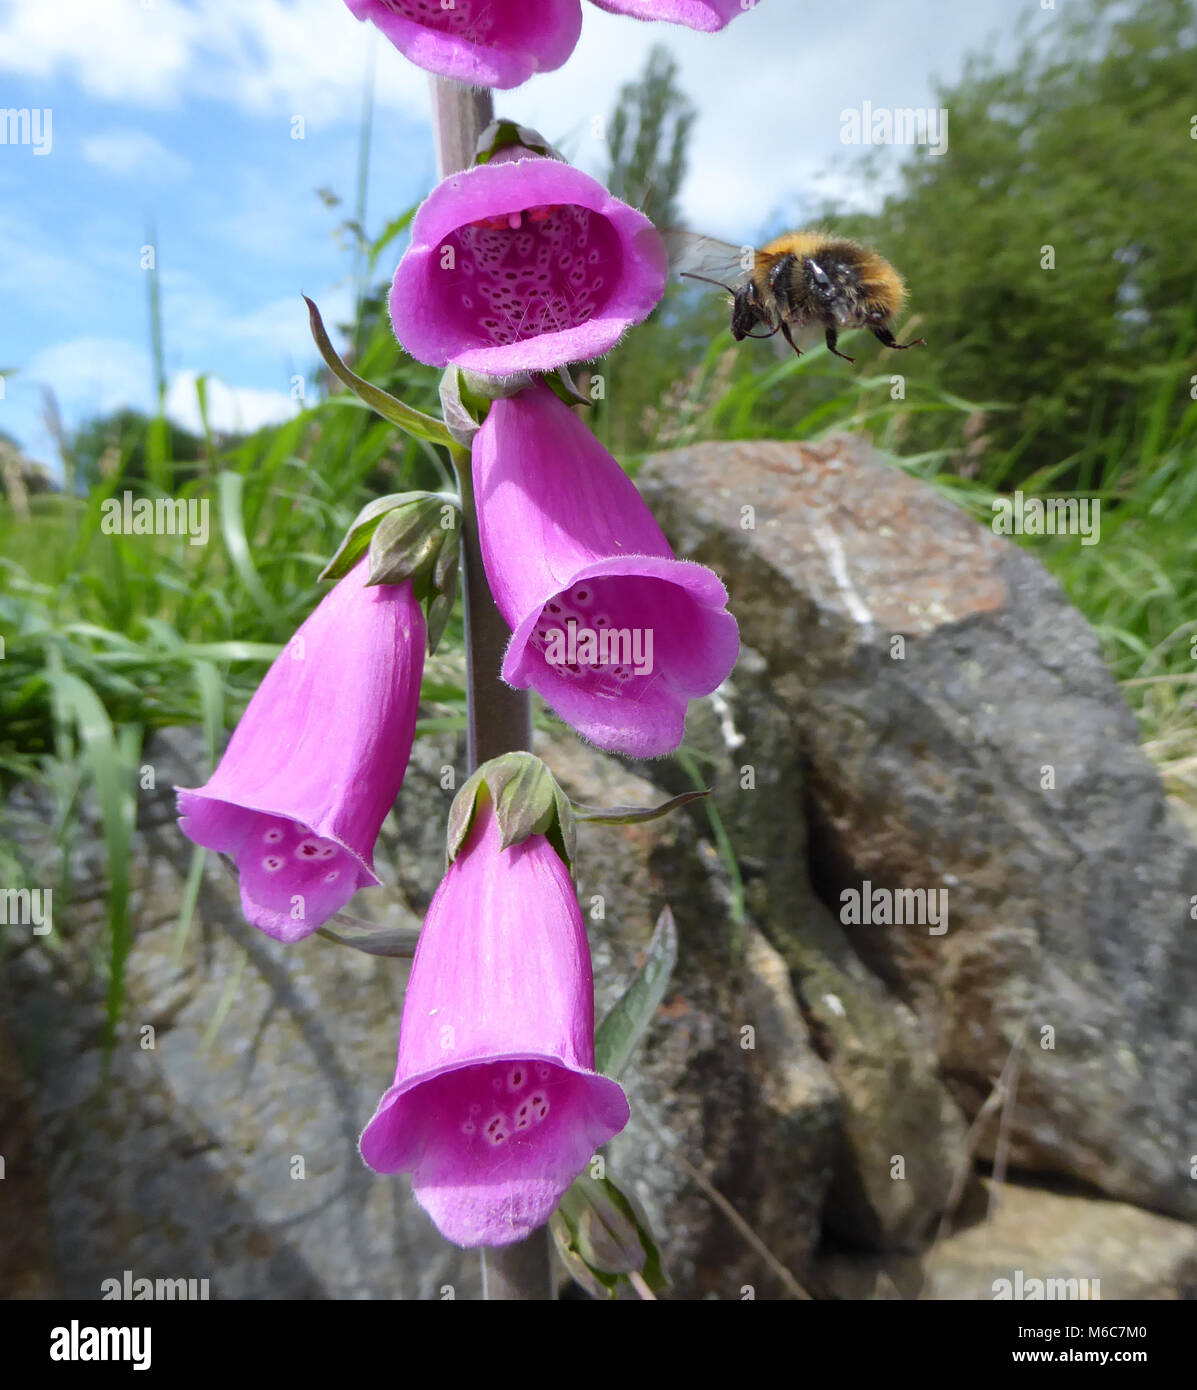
(703, 256)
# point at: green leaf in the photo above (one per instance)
(413, 422)
(230, 488)
(211, 693)
(394, 228)
(110, 766)
(635, 815)
(373, 940)
(616, 1037)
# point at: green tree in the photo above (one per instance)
(647, 139)
(1050, 252)
(105, 444)
(648, 136)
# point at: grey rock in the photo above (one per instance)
(1077, 1247)
(925, 766)
(902, 1136)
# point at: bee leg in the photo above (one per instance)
(833, 337)
(785, 328)
(883, 335)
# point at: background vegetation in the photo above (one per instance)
(1080, 378)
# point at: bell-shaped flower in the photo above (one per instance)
(487, 43)
(496, 1106)
(318, 758)
(524, 264)
(708, 15)
(613, 631)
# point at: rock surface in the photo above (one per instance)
(988, 753)
(1110, 1249)
(902, 1135)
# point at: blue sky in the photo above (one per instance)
(180, 113)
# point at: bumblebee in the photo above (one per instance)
(798, 279)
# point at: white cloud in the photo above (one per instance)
(231, 409)
(269, 57)
(115, 49)
(93, 375)
(134, 154)
(769, 89)
(275, 333)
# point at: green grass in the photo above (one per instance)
(108, 636)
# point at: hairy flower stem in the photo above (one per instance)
(500, 719)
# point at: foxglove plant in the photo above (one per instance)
(524, 264)
(607, 625)
(489, 43)
(496, 1106)
(318, 758)
(518, 265)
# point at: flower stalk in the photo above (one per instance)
(499, 718)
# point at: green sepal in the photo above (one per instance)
(413, 422)
(407, 538)
(563, 386)
(466, 397)
(357, 538)
(527, 801)
(407, 541)
(634, 815)
(412, 542)
(502, 134)
(616, 1037)
(603, 1237)
(464, 412)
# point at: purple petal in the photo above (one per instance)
(317, 760)
(487, 43)
(562, 284)
(707, 15)
(496, 1106)
(567, 540)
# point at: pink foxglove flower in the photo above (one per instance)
(318, 758)
(708, 15)
(489, 43)
(524, 264)
(496, 1106)
(607, 625)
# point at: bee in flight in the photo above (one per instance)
(800, 278)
